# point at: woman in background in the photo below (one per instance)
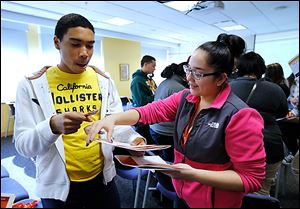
(237, 47)
(162, 133)
(270, 101)
(274, 72)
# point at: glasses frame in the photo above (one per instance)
(197, 75)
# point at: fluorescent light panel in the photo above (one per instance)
(118, 21)
(234, 27)
(229, 25)
(181, 5)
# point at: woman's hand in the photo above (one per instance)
(182, 171)
(106, 123)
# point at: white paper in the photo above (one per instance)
(146, 147)
(294, 64)
(145, 162)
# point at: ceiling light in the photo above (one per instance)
(118, 21)
(181, 5)
(229, 25)
(234, 27)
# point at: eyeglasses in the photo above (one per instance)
(197, 75)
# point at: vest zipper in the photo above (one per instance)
(183, 160)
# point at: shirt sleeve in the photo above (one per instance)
(244, 144)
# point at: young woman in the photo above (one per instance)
(218, 140)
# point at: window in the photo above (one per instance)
(14, 60)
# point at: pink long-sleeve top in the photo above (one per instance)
(227, 136)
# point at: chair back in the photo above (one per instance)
(12, 109)
(260, 201)
(124, 100)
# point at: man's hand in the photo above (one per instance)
(68, 122)
(137, 141)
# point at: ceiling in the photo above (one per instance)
(160, 24)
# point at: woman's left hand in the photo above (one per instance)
(182, 171)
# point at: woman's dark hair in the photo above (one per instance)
(71, 21)
(251, 63)
(173, 69)
(219, 56)
(275, 73)
(236, 44)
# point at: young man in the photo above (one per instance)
(53, 107)
(143, 86)
(142, 89)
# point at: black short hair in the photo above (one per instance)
(147, 59)
(71, 20)
(275, 72)
(251, 63)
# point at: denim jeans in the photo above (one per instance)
(88, 194)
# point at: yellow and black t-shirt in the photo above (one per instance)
(78, 93)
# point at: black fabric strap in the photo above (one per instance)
(252, 91)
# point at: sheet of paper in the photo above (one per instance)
(145, 162)
(147, 147)
(294, 64)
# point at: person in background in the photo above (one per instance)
(270, 101)
(162, 133)
(218, 140)
(274, 72)
(142, 85)
(293, 98)
(143, 89)
(290, 130)
(237, 46)
(53, 107)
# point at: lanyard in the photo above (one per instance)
(189, 127)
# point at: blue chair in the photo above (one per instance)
(132, 174)
(11, 186)
(171, 195)
(4, 172)
(260, 201)
(165, 187)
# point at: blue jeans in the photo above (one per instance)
(88, 194)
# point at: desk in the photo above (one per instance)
(288, 120)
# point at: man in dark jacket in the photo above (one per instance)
(143, 88)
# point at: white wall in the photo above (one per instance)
(160, 54)
(14, 59)
(280, 51)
